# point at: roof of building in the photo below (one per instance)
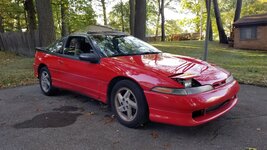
(252, 20)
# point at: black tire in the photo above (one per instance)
(139, 114)
(50, 90)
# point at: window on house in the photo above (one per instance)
(248, 33)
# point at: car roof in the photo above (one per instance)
(98, 30)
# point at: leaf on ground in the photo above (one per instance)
(109, 118)
(154, 134)
(88, 114)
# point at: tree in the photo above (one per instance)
(64, 4)
(45, 22)
(222, 35)
(31, 15)
(162, 21)
(81, 14)
(210, 24)
(132, 14)
(1, 25)
(172, 27)
(195, 7)
(158, 17)
(122, 16)
(140, 19)
(238, 10)
(119, 17)
(103, 3)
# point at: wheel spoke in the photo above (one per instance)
(120, 97)
(132, 103)
(120, 108)
(127, 94)
(129, 112)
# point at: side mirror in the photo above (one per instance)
(91, 57)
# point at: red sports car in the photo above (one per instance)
(138, 81)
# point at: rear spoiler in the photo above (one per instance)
(40, 49)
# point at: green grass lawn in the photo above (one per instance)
(15, 70)
(247, 66)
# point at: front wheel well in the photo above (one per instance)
(40, 67)
(113, 82)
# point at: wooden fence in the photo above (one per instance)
(22, 43)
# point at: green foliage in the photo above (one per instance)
(115, 16)
(13, 15)
(251, 7)
(196, 7)
(80, 14)
(172, 27)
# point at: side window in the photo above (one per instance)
(77, 45)
(248, 33)
(57, 47)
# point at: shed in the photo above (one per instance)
(250, 32)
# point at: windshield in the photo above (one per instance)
(114, 45)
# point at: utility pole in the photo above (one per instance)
(207, 32)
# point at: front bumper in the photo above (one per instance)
(192, 110)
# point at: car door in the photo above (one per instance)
(52, 60)
(78, 75)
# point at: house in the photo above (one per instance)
(250, 32)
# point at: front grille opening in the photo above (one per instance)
(198, 113)
(202, 112)
(213, 108)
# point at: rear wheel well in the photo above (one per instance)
(40, 67)
(113, 82)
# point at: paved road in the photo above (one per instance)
(30, 120)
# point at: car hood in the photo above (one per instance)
(176, 66)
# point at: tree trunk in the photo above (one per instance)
(64, 20)
(1, 25)
(122, 17)
(222, 35)
(162, 21)
(201, 25)
(140, 19)
(31, 14)
(211, 32)
(104, 11)
(238, 10)
(210, 25)
(45, 22)
(158, 19)
(132, 14)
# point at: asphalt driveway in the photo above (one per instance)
(30, 120)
